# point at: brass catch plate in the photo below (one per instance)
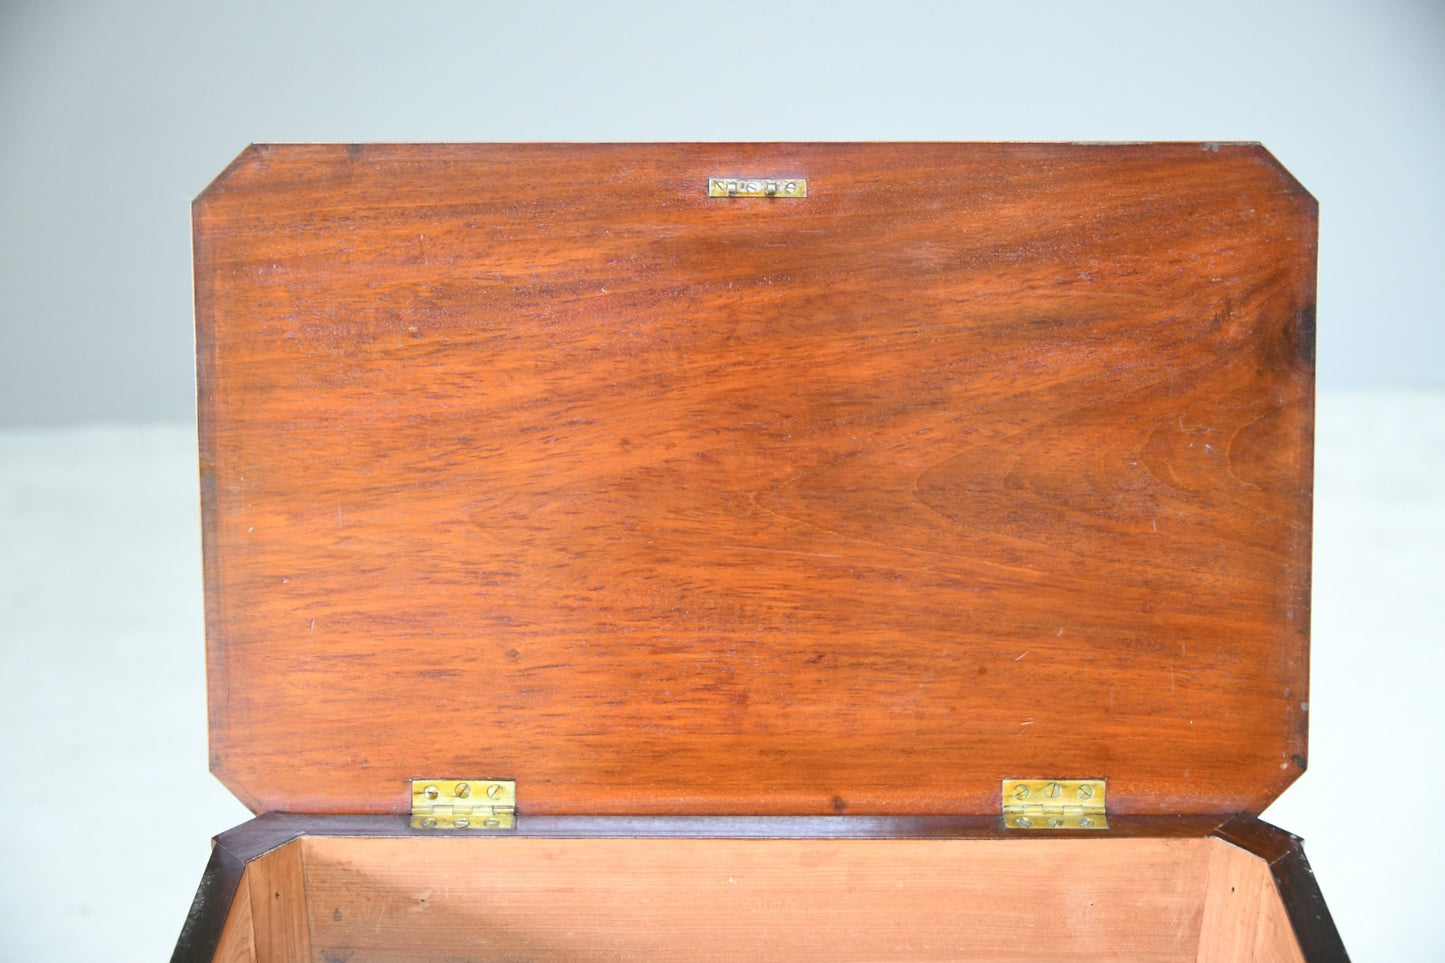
(463, 804)
(794, 187)
(1054, 804)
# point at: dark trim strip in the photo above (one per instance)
(202, 930)
(1314, 927)
(268, 831)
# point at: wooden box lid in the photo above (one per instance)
(538, 462)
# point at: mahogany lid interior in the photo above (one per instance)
(535, 462)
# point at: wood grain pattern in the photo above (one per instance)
(1195, 899)
(1248, 892)
(534, 462)
(1231, 901)
(1244, 917)
(722, 899)
(1294, 880)
(237, 943)
(1274, 939)
(277, 886)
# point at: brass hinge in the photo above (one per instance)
(463, 804)
(1054, 804)
(795, 187)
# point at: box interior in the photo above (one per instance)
(463, 899)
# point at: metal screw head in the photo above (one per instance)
(428, 823)
(1085, 822)
(461, 822)
(492, 823)
(1024, 822)
(463, 790)
(1053, 790)
(493, 791)
(1022, 792)
(1055, 822)
(1086, 792)
(431, 792)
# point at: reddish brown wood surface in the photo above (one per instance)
(536, 462)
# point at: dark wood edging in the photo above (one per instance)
(201, 932)
(1308, 914)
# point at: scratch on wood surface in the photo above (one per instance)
(779, 551)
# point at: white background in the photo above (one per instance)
(112, 116)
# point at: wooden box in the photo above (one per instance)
(735, 521)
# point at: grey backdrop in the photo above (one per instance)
(112, 116)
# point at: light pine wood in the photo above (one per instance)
(1244, 918)
(534, 462)
(1274, 939)
(278, 903)
(238, 940)
(376, 900)
(1231, 904)
(1200, 900)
